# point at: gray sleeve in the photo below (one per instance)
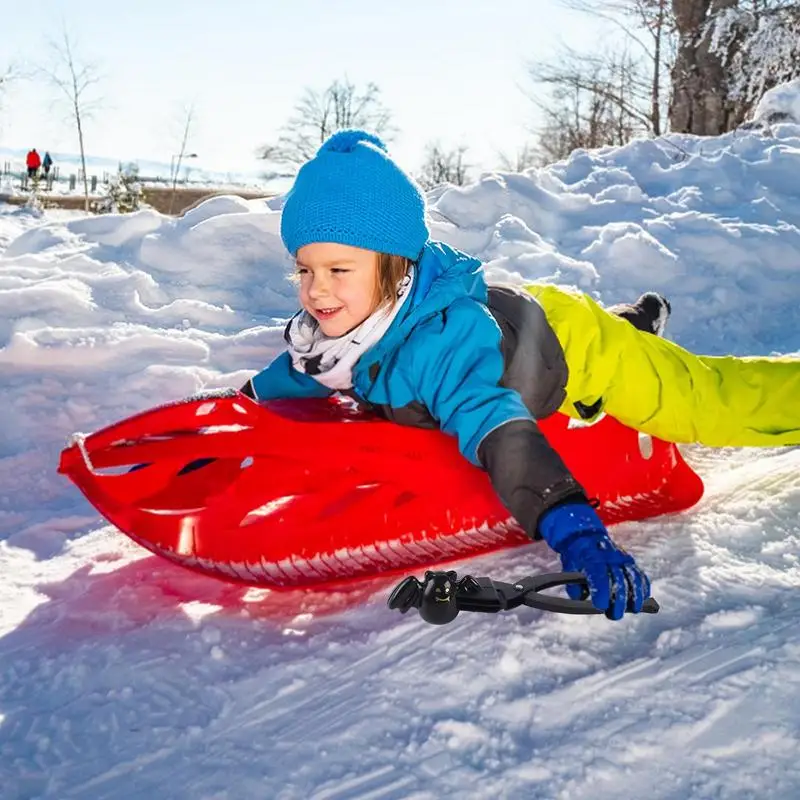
(526, 472)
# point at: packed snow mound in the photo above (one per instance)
(711, 222)
(780, 104)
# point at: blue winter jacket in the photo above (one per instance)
(442, 353)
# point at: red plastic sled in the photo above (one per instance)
(293, 493)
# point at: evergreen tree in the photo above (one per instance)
(34, 195)
(124, 192)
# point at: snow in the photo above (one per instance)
(781, 104)
(123, 675)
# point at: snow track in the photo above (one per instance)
(143, 675)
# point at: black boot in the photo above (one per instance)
(649, 313)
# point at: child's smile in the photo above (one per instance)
(325, 314)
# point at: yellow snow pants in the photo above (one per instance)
(657, 387)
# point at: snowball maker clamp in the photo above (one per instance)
(441, 595)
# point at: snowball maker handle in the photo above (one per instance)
(441, 595)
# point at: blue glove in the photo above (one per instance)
(577, 534)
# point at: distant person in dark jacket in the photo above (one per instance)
(33, 162)
(47, 163)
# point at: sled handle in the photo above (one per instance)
(532, 586)
(79, 441)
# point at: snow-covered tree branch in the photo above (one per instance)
(758, 48)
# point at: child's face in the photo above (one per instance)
(338, 285)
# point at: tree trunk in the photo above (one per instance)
(655, 89)
(83, 158)
(699, 102)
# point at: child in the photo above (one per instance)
(409, 327)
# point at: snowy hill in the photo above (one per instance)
(126, 676)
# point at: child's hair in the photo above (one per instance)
(391, 270)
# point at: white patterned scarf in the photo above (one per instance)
(330, 359)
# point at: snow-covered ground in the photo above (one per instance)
(122, 675)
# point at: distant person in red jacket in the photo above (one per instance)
(33, 163)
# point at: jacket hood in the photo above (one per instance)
(443, 275)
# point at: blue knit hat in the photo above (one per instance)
(352, 193)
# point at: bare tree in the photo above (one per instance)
(443, 166)
(593, 101)
(12, 73)
(74, 79)
(523, 158)
(319, 114)
(656, 18)
(7, 76)
(650, 26)
(175, 165)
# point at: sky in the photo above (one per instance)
(124, 675)
(447, 70)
